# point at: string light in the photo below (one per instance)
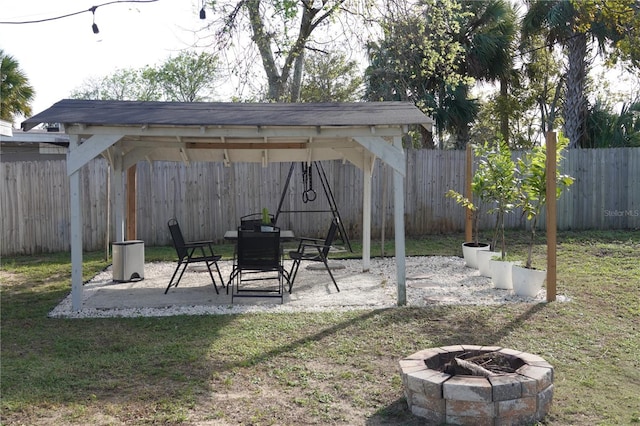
(203, 13)
(92, 9)
(94, 27)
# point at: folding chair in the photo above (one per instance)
(192, 252)
(254, 221)
(258, 258)
(313, 250)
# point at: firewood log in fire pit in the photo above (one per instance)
(485, 365)
(459, 366)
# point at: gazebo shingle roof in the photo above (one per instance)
(92, 112)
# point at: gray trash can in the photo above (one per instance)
(128, 260)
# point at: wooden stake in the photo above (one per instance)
(551, 216)
(468, 224)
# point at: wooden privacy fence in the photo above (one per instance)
(208, 198)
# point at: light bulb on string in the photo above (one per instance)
(94, 26)
(203, 13)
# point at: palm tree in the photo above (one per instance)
(487, 35)
(607, 128)
(15, 92)
(575, 26)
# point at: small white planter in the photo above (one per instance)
(483, 257)
(501, 274)
(527, 282)
(469, 251)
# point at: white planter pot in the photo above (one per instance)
(469, 251)
(527, 282)
(483, 257)
(501, 274)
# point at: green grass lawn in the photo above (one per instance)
(313, 368)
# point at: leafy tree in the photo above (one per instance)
(498, 170)
(16, 93)
(188, 77)
(417, 59)
(532, 104)
(122, 85)
(532, 189)
(434, 55)
(281, 31)
(330, 77)
(614, 21)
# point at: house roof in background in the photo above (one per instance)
(5, 128)
(36, 136)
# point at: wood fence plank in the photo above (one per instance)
(209, 198)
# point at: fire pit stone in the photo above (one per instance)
(521, 396)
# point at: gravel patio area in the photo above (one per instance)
(431, 280)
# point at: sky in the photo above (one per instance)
(58, 56)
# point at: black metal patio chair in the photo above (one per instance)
(254, 221)
(313, 250)
(192, 252)
(257, 261)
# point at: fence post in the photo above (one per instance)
(551, 216)
(468, 222)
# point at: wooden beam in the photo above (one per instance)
(468, 218)
(551, 216)
(234, 131)
(390, 154)
(246, 145)
(81, 154)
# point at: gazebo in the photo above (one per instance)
(126, 132)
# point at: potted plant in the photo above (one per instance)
(499, 173)
(267, 224)
(527, 281)
(479, 193)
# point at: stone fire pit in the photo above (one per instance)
(519, 397)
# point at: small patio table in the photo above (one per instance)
(285, 235)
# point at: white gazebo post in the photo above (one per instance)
(366, 212)
(118, 187)
(77, 156)
(76, 226)
(398, 209)
(394, 156)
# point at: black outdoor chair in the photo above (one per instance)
(258, 259)
(253, 221)
(313, 250)
(192, 252)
